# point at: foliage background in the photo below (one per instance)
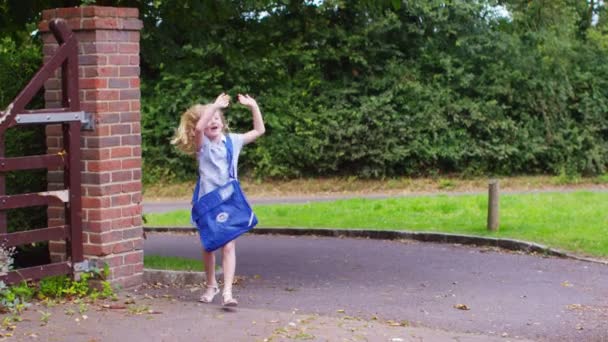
(369, 88)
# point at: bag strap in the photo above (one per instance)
(229, 152)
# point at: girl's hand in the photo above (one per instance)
(222, 101)
(247, 101)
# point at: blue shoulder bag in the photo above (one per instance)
(223, 214)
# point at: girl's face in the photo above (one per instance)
(215, 127)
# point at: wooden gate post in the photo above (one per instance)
(493, 202)
(108, 40)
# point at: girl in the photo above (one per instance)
(201, 131)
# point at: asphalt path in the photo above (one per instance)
(161, 206)
(440, 286)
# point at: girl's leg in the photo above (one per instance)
(209, 265)
(211, 289)
(229, 265)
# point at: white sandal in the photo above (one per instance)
(228, 299)
(209, 294)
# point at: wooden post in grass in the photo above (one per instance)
(493, 205)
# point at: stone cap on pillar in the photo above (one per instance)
(94, 18)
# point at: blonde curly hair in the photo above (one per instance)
(185, 135)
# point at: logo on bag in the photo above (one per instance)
(221, 217)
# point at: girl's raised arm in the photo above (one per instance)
(258, 122)
(221, 102)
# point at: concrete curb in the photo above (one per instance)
(509, 244)
(153, 276)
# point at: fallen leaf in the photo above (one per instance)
(566, 284)
(462, 307)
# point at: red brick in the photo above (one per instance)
(132, 233)
(130, 116)
(121, 129)
(103, 190)
(128, 48)
(99, 11)
(130, 94)
(118, 83)
(118, 60)
(57, 246)
(109, 118)
(138, 244)
(101, 71)
(97, 250)
(75, 24)
(134, 60)
(105, 165)
(134, 258)
(123, 271)
(104, 238)
(52, 96)
(69, 12)
(136, 175)
(122, 223)
(115, 261)
(93, 83)
(134, 82)
(95, 202)
(43, 26)
(119, 106)
(132, 25)
(131, 187)
(136, 128)
(102, 130)
(93, 142)
(115, 36)
(131, 211)
(121, 200)
(122, 176)
(136, 197)
(128, 71)
(134, 36)
(102, 95)
(131, 140)
(120, 152)
(94, 107)
(127, 12)
(92, 60)
(134, 163)
(53, 143)
(49, 14)
(86, 36)
(95, 178)
(98, 226)
(135, 105)
(103, 214)
(121, 247)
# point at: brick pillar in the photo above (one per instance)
(108, 40)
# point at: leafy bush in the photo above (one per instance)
(349, 88)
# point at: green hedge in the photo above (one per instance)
(419, 89)
(20, 58)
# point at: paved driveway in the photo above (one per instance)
(508, 294)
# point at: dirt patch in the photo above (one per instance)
(320, 187)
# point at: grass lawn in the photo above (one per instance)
(575, 222)
(172, 263)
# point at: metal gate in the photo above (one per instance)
(70, 118)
